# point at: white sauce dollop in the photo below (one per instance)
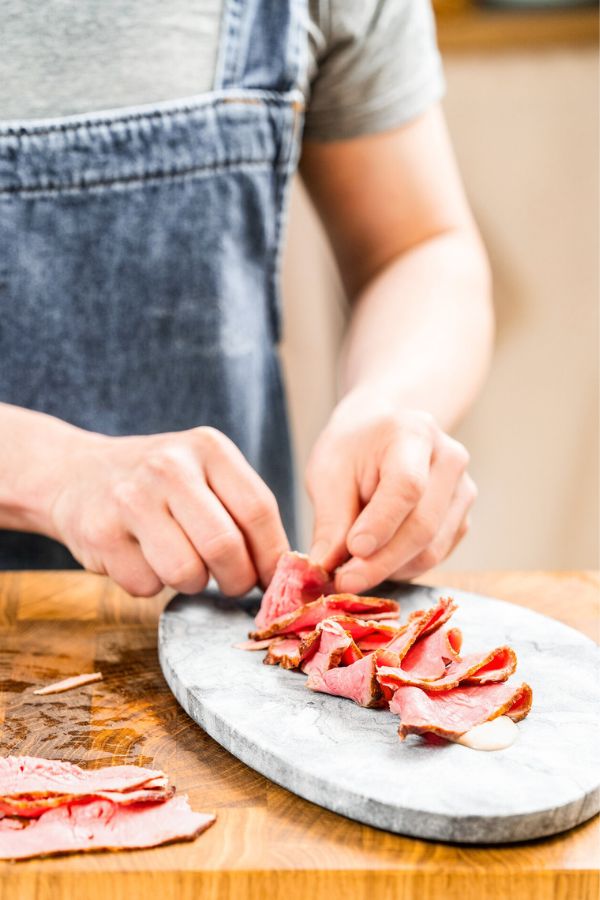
(495, 735)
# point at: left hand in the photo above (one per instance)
(390, 492)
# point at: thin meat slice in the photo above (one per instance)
(333, 646)
(449, 714)
(356, 682)
(69, 684)
(284, 651)
(430, 655)
(29, 776)
(367, 633)
(308, 616)
(296, 581)
(420, 623)
(30, 807)
(102, 825)
(496, 666)
(253, 645)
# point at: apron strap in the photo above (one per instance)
(262, 45)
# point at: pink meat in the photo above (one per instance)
(285, 652)
(332, 645)
(368, 634)
(308, 616)
(430, 655)
(28, 776)
(356, 682)
(495, 666)
(296, 581)
(69, 684)
(252, 645)
(449, 714)
(101, 825)
(31, 807)
(419, 624)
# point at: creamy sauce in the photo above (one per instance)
(495, 735)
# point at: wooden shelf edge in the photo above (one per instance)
(475, 28)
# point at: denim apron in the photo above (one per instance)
(139, 255)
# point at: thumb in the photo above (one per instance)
(336, 504)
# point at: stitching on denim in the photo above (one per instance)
(266, 98)
(174, 175)
(232, 45)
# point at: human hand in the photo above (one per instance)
(390, 491)
(166, 509)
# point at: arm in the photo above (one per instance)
(146, 510)
(417, 351)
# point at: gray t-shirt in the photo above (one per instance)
(373, 64)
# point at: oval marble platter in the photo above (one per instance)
(350, 760)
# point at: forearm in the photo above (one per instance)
(32, 446)
(421, 332)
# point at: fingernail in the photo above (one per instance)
(319, 550)
(363, 545)
(352, 583)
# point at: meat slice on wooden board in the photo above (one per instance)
(308, 616)
(449, 714)
(333, 645)
(69, 684)
(101, 825)
(356, 682)
(31, 807)
(31, 777)
(296, 581)
(430, 655)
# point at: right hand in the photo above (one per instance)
(166, 509)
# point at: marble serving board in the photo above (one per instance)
(350, 760)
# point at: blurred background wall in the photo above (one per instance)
(524, 121)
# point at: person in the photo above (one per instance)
(146, 152)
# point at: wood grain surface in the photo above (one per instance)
(267, 842)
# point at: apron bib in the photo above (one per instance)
(139, 259)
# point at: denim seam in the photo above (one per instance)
(263, 98)
(153, 177)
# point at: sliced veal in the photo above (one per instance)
(308, 616)
(101, 825)
(296, 581)
(430, 655)
(332, 646)
(449, 714)
(496, 666)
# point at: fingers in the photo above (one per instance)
(169, 552)
(126, 565)
(419, 527)
(403, 479)
(455, 527)
(250, 503)
(215, 537)
(336, 504)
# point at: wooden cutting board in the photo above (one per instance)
(349, 759)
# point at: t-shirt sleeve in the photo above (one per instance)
(377, 66)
